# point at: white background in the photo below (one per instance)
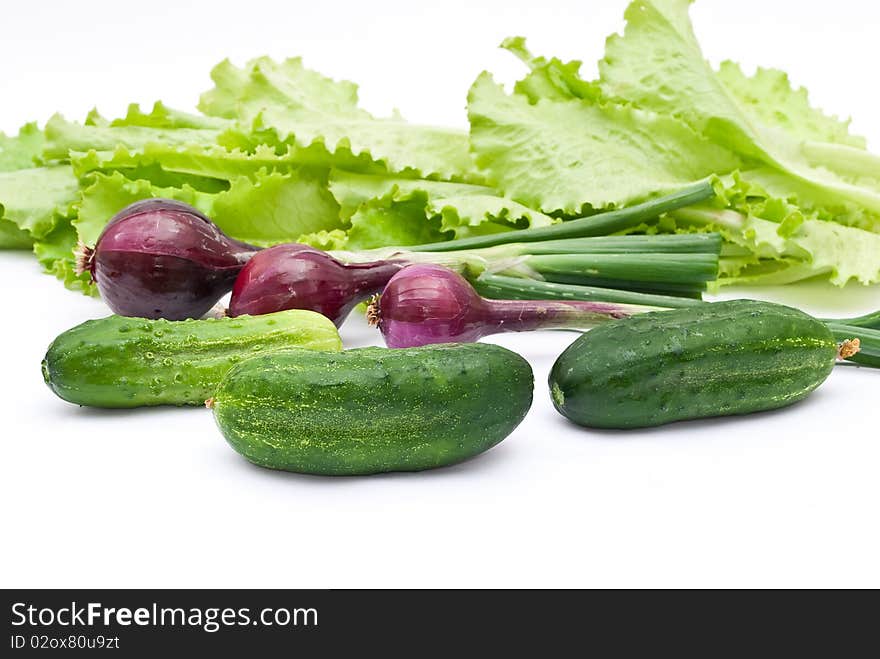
(156, 498)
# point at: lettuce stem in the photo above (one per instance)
(843, 159)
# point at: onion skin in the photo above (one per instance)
(294, 276)
(160, 258)
(426, 303)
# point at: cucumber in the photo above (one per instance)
(718, 359)
(373, 410)
(133, 362)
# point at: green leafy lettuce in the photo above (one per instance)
(565, 155)
(270, 208)
(36, 203)
(382, 211)
(799, 194)
(268, 194)
(280, 153)
(291, 105)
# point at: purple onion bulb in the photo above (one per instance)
(426, 303)
(160, 258)
(294, 276)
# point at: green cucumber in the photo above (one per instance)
(373, 410)
(133, 362)
(719, 359)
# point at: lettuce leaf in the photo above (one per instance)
(11, 237)
(271, 208)
(16, 153)
(56, 253)
(275, 207)
(657, 64)
(36, 205)
(197, 161)
(770, 99)
(795, 195)
(22, 151)
(135, 131)
(352, 189)
(551, 78)
(478, 214)
(781, 243)
(383, 211)
(309, 111)
(161, 116)
(814, 248)
(461, 203)
(33, 199)
(379, 223)
(568, 156)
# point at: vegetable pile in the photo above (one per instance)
(570, 203)
(280, 153)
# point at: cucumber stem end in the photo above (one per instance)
(848, 348)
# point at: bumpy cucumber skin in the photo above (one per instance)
(132, 362)
(718, 359)
(373, 410)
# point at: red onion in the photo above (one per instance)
(160, 258)
(298, 277)
(294, 276)
(428, 303)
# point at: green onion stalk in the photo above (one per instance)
(672, 267)
(864, 328)
(581, 252)
(298, 276)
(600, 224)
